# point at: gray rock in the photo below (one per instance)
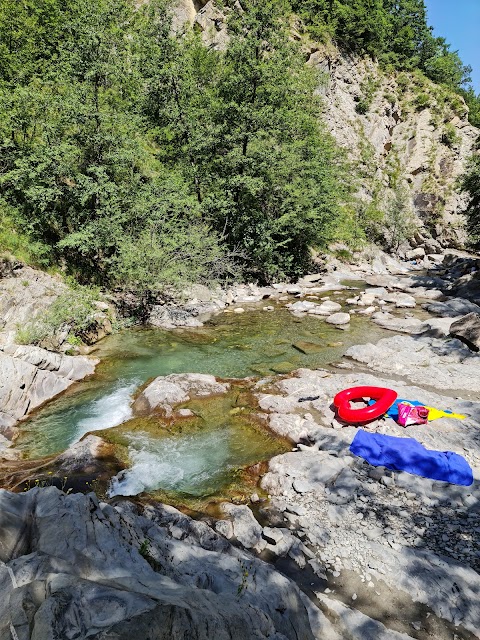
(452, 308)
(317, 468)
(189, 315)
(327, 308)
(302, 306)
(344, 487)
(24, 294)
(400, 325)
(405, 301)
(415, 254)
(83, 457)
(74, 568)
(338, 319)
(356, 625)
(467, 329)
(302, 486)
(224, 528)
(166, 391)
(423, 360)
(245, 527)
(29, 376)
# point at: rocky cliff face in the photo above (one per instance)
(403, 133)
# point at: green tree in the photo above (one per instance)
(244, 127)
(80, 167)
(473, 103)
(394, 31)
(471, 184)
(360, 25)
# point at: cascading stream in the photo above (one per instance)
(251, 344)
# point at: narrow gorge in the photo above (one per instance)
(190, 272)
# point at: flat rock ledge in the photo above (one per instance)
(432, 362)
(29, 376)
(333, 513)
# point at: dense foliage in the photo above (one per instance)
(144, 160)
(471, 184)
(139, 159)
(394, 31)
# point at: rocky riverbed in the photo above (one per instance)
(327, 546)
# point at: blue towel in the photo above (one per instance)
(406, 454)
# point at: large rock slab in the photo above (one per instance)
(166, 391)
(452, 308)
(29, 376)
(422, 360)
(24, 294)
(74, 568)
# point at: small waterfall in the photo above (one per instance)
(191, 464)
(109, 410)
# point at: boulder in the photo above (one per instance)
(170, 317)
(338, 319)
(84, 457)
(415, 254)
(467, 329)
(327, 308)
(405, 301)
(166, 391)
(246, 529)
(302, 306)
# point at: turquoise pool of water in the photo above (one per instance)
(256, 343)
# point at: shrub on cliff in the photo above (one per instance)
(471, 184)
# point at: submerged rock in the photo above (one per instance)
(307, 347)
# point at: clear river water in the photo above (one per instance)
(201, 459)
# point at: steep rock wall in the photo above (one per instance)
(400, 130)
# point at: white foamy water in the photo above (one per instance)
(108, 411)
(188, 464)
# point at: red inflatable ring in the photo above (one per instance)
(384, 400)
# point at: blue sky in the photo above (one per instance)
(458, 21)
